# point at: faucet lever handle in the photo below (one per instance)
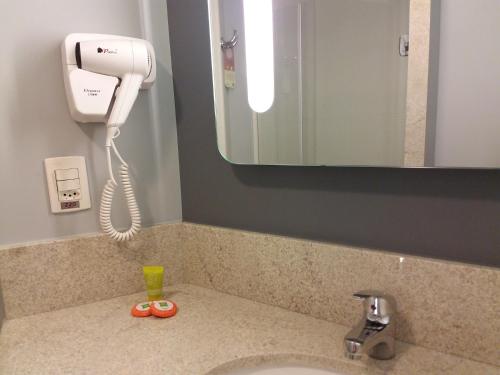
(379, 306)
(364, 294)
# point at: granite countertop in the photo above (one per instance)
(212, 332)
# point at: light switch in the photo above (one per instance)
(67, 184)
(66, 174)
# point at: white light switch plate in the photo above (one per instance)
(68, 184)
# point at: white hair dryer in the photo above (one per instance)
(103, 75)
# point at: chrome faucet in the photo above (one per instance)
(374, 334)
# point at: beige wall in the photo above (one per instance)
(418, 73)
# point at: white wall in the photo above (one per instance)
(467, 125)
(360, 91)
(238, 112)
(280, 128)
(35, 123)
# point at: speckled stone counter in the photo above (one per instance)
(211, 333)
(312, 278)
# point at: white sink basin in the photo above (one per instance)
(282, 370)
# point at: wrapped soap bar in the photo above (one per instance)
(142, 310)
(163, 309)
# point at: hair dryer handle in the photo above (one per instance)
(126, 94)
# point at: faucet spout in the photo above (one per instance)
(374, 334)
(372, 338)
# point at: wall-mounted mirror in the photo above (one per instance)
(393, 83)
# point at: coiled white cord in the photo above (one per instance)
(108, 193)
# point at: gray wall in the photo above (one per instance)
(448, 214)
(35, 122)
(467, 127)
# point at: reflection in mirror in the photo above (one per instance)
(348, 82)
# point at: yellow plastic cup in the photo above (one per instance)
(153, 275)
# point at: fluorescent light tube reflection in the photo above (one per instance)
(259, 41)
